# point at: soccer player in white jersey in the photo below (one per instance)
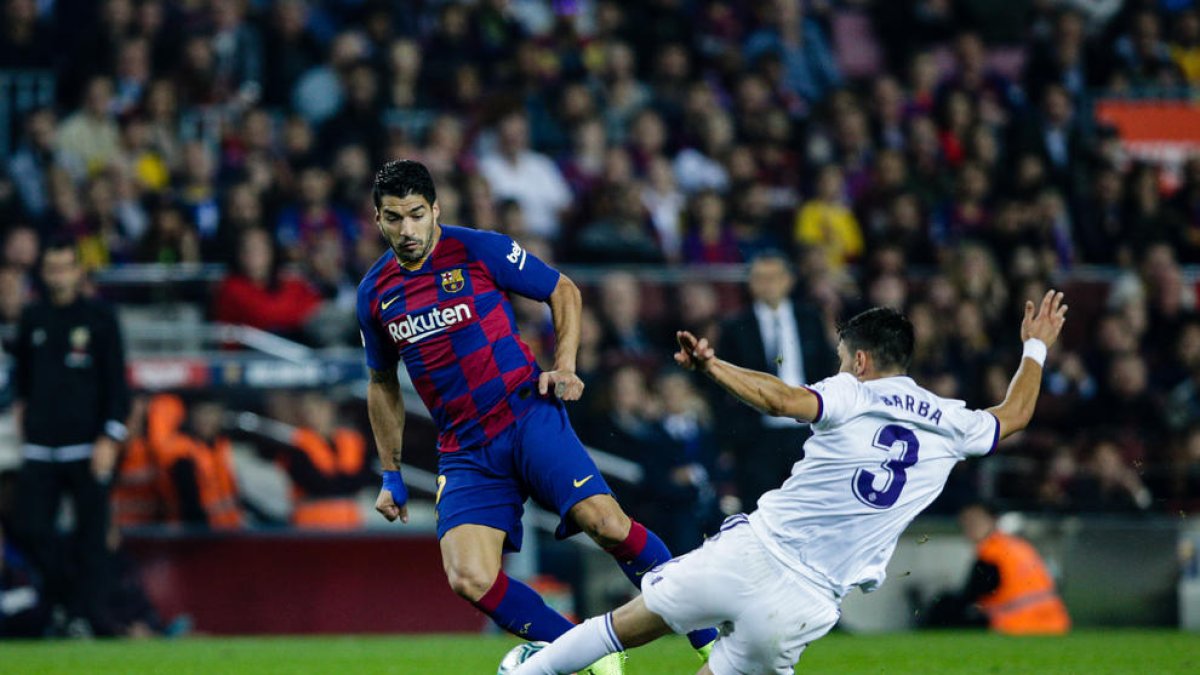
(881, 449)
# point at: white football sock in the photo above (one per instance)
(576, 649)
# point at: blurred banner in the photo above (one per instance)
(289, 583)
(1159, 131)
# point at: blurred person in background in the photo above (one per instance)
(73, 402)
(679, 463)
(89, 140)
(1107, 483)
(196, 461)
(776, 335)
(621, 233)
(514, 171)
(622, 425)
(327, 466)
(1008, 589)
(627, 336)
(258, 293)
(315, 214)
(171, 239)
(29, 165)
(709, 238)
(825, 221)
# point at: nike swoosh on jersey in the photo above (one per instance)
(579, 483)
(388, 303)
(422, 336)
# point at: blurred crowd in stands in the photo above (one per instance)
(937, 156)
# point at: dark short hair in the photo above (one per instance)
(882, 332)
(60, 242)
(986, 507)
(401, 178)
(773, 255)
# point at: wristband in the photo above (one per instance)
(394, 483)
(1035, 349)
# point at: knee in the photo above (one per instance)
(470, 582)
(606, 524)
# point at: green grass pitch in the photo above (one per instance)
(1086, 652)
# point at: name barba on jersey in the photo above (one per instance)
(907, 403)
(416, 327)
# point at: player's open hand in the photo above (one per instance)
(1046, 323)
(387, 506)
(566, 385)
(693, 354)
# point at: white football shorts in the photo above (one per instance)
(766, 612)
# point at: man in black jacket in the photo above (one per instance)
(775, 335)
(73, 401)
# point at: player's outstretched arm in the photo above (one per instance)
(1039, 331)
(385, 408)
(566, 306)
(765, 392)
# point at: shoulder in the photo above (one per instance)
(480, 243)
(740, 322)
(472, 237)
(99, 309)
(369, 280)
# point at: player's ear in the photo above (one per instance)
(436, 209)
(862, 360)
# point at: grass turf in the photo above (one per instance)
(1091, 652)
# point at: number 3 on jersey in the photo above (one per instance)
(886, 439)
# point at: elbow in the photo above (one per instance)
(567, 292)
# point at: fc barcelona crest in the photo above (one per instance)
(452, 281)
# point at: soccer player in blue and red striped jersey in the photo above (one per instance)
(438, 301)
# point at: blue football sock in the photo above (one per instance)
(518, 609)
(641, 552)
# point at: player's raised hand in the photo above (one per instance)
(693, 354)
(566, 385)
(1045, 321)
(386, 505)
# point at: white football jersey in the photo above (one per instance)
(879, 454)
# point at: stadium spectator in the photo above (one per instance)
(170, 239)
(327, 466)
(1009, 588)
(25, 41)
(699, 166)
(73, 401)
(89, 139)
(621, 233)
(627, 337)
(15, 294)
(825, 221)
(799, 42)
(514, 171)
(624, 425)
(260, 295)
(709, 238)
(32, 161)
(678, 462)
(1107, 483)
(777, 334)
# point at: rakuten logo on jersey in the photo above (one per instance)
(414, 328)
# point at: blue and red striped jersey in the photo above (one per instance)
(452, 324)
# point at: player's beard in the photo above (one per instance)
(407, 256)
